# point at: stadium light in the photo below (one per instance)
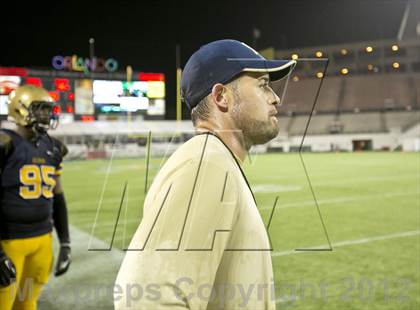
(62, 84)
(319, 75)
(56, 110)
(395, 65)
(344, 71)
(318, 54)
(54, 95)
(69, 109)
(87, 118)
(295, 78)
(395, 47)
(34, 81)
(344, 52)
(369, 49)
(295, 56)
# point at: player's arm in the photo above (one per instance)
(7, 269)
(61, 224)
(60, 214)
(6, 147)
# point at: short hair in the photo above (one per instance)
(202, 110)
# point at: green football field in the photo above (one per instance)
(370, 205)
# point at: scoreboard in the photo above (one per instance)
(81, 98)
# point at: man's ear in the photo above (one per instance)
(219, 96)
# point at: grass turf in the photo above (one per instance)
(361, 196)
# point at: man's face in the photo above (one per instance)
(42, 112)
(254, 110)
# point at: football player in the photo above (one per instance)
(31, 200)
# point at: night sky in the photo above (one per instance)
(144, 34)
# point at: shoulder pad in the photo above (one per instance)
(62, 147)
(6, 147)
(5, 141)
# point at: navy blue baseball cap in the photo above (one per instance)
(219, 62)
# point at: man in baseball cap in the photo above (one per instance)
(220, 62)
(201, 227)
(226, 85)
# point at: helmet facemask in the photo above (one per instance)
(41, 116)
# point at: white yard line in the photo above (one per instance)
(350, 242)
(287, 205)
(102, 194)
(331, 181)
(63, 293)
(89, 222)
(342, 179)
(307, 203)
(100, 225)
(285, 299)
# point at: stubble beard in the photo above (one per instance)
(254, 131)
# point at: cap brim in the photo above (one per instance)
(277, 69)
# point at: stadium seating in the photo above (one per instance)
(401, 120)
(346, 123)
(284, 123)
(300, 95)
(362, 123)
(353, 93)
(392, 91)
(320, 124)
(329, 96)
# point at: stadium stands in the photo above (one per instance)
(320, 124)
(361, 123)
(401, 120)
(389, 92)
(372, 97)
(354, 93)
(300, 96)
(284, 123)
(347, 123)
